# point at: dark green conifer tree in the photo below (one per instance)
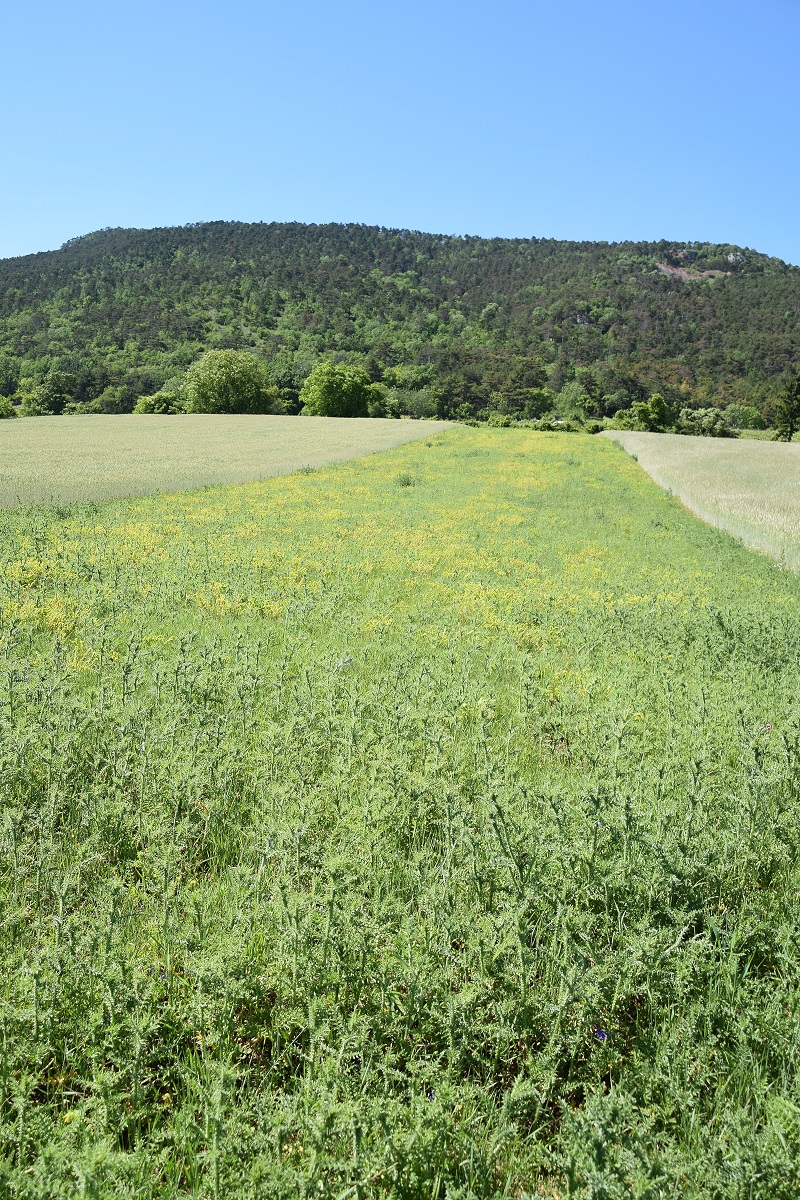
(787, 420)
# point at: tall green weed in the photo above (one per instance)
(361, 840)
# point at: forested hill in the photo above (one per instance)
(111, 316)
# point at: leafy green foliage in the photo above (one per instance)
(482, 324)
(363, 839)
(654, 415)
(9, 373)
(170, 400)
(335, 390)
(229, 381)
(49, 397)
(743, 416)
(419, 402)
(704, 422)
(6, 408)
(787, 417)
(649, 415)
(163, 403)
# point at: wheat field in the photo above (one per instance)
(751, 489)
(69, 459)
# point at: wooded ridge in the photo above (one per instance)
(455, 325)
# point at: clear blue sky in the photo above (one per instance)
(613, 120)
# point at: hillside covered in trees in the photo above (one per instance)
(451, 325)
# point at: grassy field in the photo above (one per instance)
(68, 459)
(426, 825)
(749, 488)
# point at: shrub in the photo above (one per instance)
(6, 408)
(112, 400)
(703, 422)
(29, 399)
(163, 403)
(30, 405)
(552, 424)
(647, 415)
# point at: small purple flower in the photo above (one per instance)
(601, 1034)
(768, 726)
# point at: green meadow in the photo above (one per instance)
(425, 825)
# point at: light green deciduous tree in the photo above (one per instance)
(338, 390)
(230, 381)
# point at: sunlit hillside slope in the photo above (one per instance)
(120, 310)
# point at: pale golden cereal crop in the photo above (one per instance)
(68, 459)
(751, 489)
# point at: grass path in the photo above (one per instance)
(427, 825)
(749, 488)
(68, 459)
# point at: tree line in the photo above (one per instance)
(475, 328)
